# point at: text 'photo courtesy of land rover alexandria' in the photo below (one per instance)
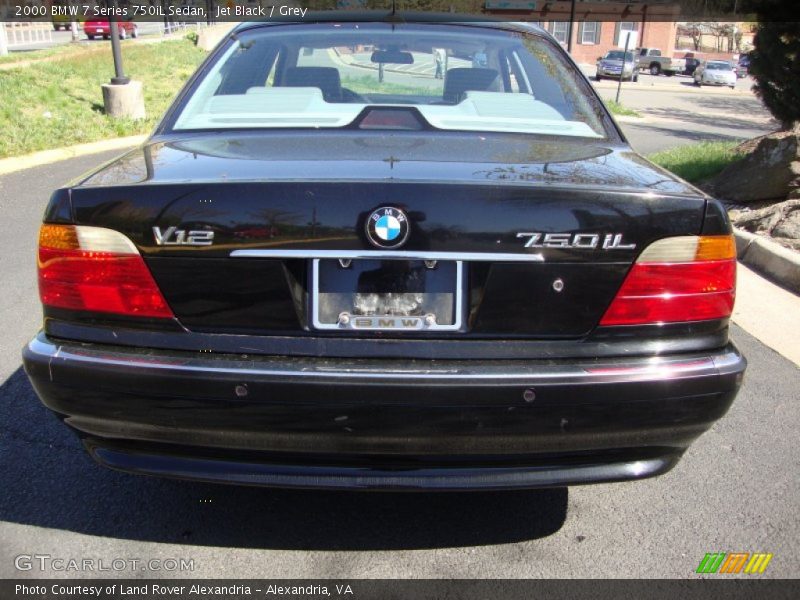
(396, 253)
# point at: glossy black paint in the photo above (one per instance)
(255, 296)
(662, 340)
(716, 220)
(284, 191)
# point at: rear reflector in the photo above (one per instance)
(96, 269)
(678, 279)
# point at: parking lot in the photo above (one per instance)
(675, 112)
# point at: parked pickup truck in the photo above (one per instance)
(650, 59)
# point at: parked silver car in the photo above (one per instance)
(715, 72)
(612, 64)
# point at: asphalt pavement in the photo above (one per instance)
(675, 112)
(736, 489)
(676, 115)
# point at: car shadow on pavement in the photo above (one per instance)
(49, 481)
(751, 107)
(707, 119)
(684, 133)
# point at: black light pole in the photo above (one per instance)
(624, 60)
(571, 25)
(120, 78)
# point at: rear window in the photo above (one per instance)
(457, 77)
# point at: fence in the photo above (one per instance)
(22, 33)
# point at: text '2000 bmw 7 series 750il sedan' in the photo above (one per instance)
(386, 254)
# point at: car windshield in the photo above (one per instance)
(446, 76)
(617, 55)
(719, 66)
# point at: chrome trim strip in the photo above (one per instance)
(388, 371)
(388, 254)
(458, 309)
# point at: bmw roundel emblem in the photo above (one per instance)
(387, 227)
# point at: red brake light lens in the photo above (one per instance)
(98, 270)
(678, 279)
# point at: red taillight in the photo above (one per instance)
(98, 270)
(678, 279)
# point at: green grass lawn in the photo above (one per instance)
(60, 103)
(697, 162)
(369, 84)
(621, 111)
(73, 48)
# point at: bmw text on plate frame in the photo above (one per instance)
(387, 227)
(565, 327)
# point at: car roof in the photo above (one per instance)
(383, 16)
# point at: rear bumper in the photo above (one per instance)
(386, 424)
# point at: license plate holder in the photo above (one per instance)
(386, 294)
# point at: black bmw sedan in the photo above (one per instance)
(386, 254)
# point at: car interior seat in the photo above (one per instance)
(325, 78)
(460, 80)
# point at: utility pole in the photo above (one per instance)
(121, 96)
(120, 78)
(624, 60)
(571, 26)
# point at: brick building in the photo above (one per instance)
(599, 26)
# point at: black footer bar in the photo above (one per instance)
(385, 589)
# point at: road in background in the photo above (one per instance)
(735, 490)
(62, 38)
(678, 118)
(675, 112)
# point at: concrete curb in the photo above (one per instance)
(769, 258)
(45, 157)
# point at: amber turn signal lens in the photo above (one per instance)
(58, 237)
(715, 247)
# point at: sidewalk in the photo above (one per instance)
(768, 312)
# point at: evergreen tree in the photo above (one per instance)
(775, 61)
